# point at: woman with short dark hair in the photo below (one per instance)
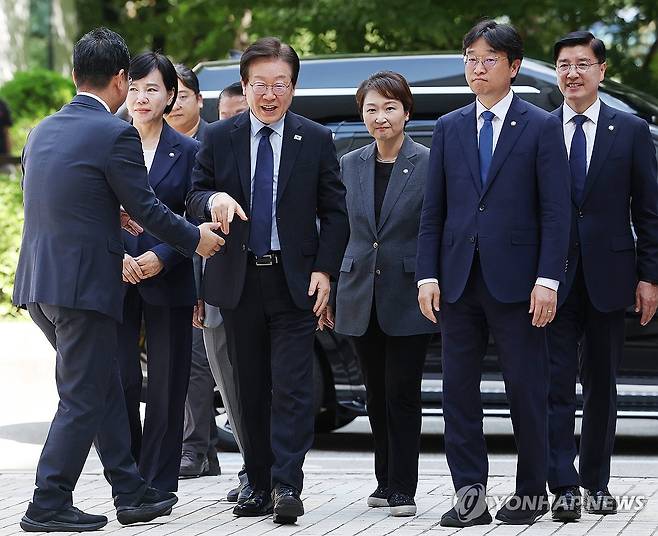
(376, 298)
(159, 282)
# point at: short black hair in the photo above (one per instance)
(233, 90)
(389, 84)
(580, 38)
(500, 37)
(98, 56)
(146, 62)
(269, 47)
(188, 77)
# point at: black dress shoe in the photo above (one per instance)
(567, 504)
(523, 510)
(257, 504)
(70, 520)
(154, 503)
(600, 502)
(192, 465)
(452, 519)
(287, 504)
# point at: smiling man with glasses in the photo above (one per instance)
(613, 170)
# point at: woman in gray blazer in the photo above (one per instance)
(376, 302)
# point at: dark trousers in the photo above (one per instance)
(392, 370)
(601, 336)
(270, 345)
(200, 430)
(90, 409)
(522, 355)
(157, 448)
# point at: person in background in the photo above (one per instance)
(231, 102)
(185, 116)
(376, 299)
(159, 282)
(5, 123)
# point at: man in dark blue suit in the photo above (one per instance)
(493, 238)
(80, 166)
(613, 172)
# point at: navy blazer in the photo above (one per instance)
(79, 166)
(170, 178)
(309, 189)
(622, 174)
(380, 260)
(519, 221)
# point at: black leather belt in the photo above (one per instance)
(269, 259)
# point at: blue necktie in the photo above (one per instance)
(578, 158)
(260, 233)
(486, 146)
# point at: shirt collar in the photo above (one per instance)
(96, 97)
(499, 109)
(592, 113)
(257, 124)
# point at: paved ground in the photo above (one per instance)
(338, 472)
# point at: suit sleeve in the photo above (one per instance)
(644, 203)
(203, 180)
(433, 214)
(332, 212)
(127, 177)
(554, 189)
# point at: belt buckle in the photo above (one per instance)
(265, 260)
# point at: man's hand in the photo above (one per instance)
(646, 301)
(543, 306)
(320, 284)
(326, 319)
(199, 314)
(130, 225)
(209, 241)
(429, 299)
(132, 272)
(222, 210)
(150, 264)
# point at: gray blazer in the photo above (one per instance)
(380, 260)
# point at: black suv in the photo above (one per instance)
(325, 93)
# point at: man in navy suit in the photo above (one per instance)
(278, 173)
(80, 165)
(613, 172)
(491, 254)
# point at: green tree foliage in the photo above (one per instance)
(36, 93)
(11, 214)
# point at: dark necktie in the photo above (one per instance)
(260, 233)
(486, 146)
(578, 158)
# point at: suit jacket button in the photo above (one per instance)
(375, 245)
(378, 271)
(580, 214)
(244, 247)
(577, 244)
(471, 239)
(481, 208)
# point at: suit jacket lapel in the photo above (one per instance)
(400, 174)
(605, 137)
(367, 184)
(166, 155)
(292, 142)
(468, 136)
(513, 126)
(241, 144)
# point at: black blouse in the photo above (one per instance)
(382, 176)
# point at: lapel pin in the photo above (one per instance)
(171, 155)
(297, 137)
(513, 123)
(405, 170)
(611, 127)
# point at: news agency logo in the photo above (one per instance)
(470, 502)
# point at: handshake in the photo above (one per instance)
(209, 241)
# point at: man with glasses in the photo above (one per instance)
(613, 171)
(492, 252)
(277, 174)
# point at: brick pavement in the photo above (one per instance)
(335, 505)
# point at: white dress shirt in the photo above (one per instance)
(499, 110)
(589, 126)
(96, 97)
(149, 156)
(276, 141)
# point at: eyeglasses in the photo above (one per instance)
(581, 67)
(260, 88)
(488, 63)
